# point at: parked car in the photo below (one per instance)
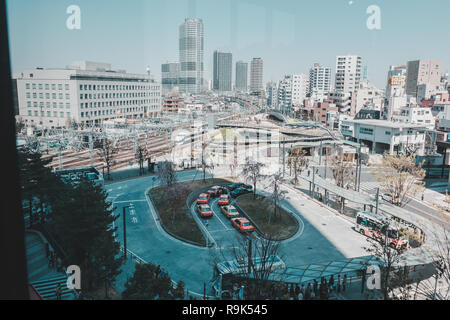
(239, 191)
(203, 198)
(236, 185)
(242, 225)
(230, 211)
(216, 191)
(204, 210)
(224, 200)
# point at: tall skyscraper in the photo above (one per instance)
(256, 77)
(319, 79)
(423, 72)
(348, 73)
(223, 66)
(241, 76)
(170, 74)
(191, 56)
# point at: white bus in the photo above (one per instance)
(374, 226)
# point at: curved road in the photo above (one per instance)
(325, 236)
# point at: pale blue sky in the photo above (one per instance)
(290, 35)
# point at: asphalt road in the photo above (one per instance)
(322, 236)
(369, 184)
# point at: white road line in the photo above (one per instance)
(127, 201)
(214, 202)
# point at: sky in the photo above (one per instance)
(289, 35)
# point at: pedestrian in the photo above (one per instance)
(292, 291)
(331, 283)
(339, 280)
(158, 270)
(308, 292)
(344, 283)
(54, 258)
(363, 282)
(422, 196)
(58, 292)
(315, 289)
(297, 290)
(47, 249)
(58, 264)
(302, 289)
(50, 259)
(309, 172)
(300, 295)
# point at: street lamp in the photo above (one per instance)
(125, 230)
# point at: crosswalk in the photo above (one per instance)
(369, 185)
(47, 287)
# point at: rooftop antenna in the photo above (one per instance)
(148, 70)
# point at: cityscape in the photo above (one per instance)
(226, 173)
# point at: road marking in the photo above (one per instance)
(128, 201)
(220, 230)
(134, 220)
(218, 215)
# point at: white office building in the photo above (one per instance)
(386, 136)
(415, 115)
(85, 93)
(299, 88)
(348, 73)
(319, 80)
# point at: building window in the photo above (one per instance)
(366, 131)
(53, 86)
(27, 86)
(387, 133)
(67, 86)
(60, 86)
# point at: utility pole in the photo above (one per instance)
(313, 185)
(249, 269)
(284, 143)
(320, 153)
(376, 203)
(125, 231)
(359, 174)
(91, 150)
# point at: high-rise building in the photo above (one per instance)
(272, 94)
(170, 74)
(319, 79)
(241, 76)
(85, 93)
(395, 81)
(256, 77)
(348, 73)
(191, 56)
(222, 66)
(299, 88)
(423, 72)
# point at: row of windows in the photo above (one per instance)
(365, 130)
(118, 95)
(47, 104)
(49, 114)
(41, 86)
(116, 103)
(47, 95)
(116, 87)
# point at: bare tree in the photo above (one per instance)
(399, 176)
(276, 196)
(141, 155)
(297, 161)
(389, 258)
(106, 149)
(166, 174)
(343, 171)
(252, 171)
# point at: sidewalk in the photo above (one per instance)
(43, 278)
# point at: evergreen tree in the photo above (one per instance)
(83, 221)
(147, 284)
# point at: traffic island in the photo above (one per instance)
(279, 226)
(175, 215)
